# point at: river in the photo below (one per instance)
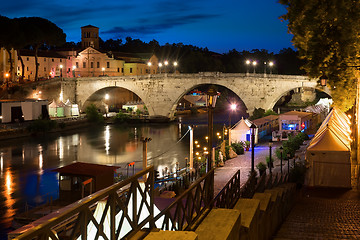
(26, 176)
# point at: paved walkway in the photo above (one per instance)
(323, 214)
(243, 162)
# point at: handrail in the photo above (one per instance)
(229, 195)
(198, 198)
(82, 206)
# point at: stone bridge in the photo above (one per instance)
(162, 92)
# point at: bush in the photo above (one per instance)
(297, 174)
(42, 125)
(93, 115)
(227, 152)
(238, 148)
(121, 118)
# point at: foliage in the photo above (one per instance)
(290, 146)
(261, 166)
(93, 115)
(260, 112)
(247, 144)
(41, 125)
(326, 33)
(238, 148)
(297, 174)
(227, 152)
(121, 118)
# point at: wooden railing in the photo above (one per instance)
(229, 195)
(116, 212)
(187, 209)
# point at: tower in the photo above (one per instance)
(90, 36)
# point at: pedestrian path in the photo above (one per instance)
(323, 214)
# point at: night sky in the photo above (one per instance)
(219, 25)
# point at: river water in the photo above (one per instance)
(26, 176)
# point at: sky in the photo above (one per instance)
(219, 25)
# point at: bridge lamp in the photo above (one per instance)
(166, 63)
(160, 65)
(271, 64)
(175, 65)
(103, 71)
(61, 67)
(247, 62)
(254, 63)
(212, 95)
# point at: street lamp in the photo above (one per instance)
(145, 141)
(281, 158)
(252, 128)
(270, 162)
(254, 63)
(232, 108)
(7, 78)
(61, 67)
(265, 63)
(149, 65)
(271, 64)
(73, 69)
(288, 157)
(160, 65)
(210, 103)
(323, 80)
(166, 63)
(247, 62)
(103, 71)
(175, 65)
(107, 97)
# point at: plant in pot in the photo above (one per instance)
(247, 145)
(261, 167)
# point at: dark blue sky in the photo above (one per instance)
(220, 25)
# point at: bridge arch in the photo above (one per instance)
(161, 92)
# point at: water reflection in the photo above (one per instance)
(26, 165)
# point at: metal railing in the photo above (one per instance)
(189, 207)
(230, 194)
(116, 200)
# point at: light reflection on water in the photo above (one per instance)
(26, 165)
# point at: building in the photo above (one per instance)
(90, 61)
(241, 132)
(266, 125)
(23, 110)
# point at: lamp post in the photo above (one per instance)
(247, 62)
(271, 64)
(254, 63)
(265, 63)
(7, 75)
(160, 65)
(210, 103)
(252, 128)
(166, 63)
(73, 70)
(106, 103)
(61, 67)
(145, 141)
(149, 65)
(232, 108)
(175, 65)
(103, 71)
(288, 157)
(281, 158)
(270, 162)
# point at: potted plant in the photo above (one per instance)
(247, 145)
(261, 167)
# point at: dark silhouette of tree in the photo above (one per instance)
(326, 33)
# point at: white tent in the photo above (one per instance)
(52, 108)
(241, 132)
(67, 108)
(329, 153)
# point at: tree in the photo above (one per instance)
(8, 38)
(326, 33)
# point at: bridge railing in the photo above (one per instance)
(119, 217)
